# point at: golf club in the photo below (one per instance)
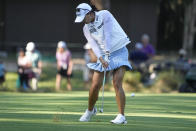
(101, 109)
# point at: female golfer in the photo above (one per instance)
(108, 42)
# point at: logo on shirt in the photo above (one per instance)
(100, 25)
(92, 30)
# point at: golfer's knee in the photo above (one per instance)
(117, 84)
(95, 86)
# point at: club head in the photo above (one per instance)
(101, 110)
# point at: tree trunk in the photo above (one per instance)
(101, 4)
(106, 4)
(189, 27)
(2, 24)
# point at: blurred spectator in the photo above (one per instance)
(182, 55)
(2, 73)
(64, 65)
(138, 56)
(34, 57)
(23, 70)
(89, 57)
(147, 47)
(182, 64)
(140, 63)
(93, 57)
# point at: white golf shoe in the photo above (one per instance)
(120, 119)
(87, 115)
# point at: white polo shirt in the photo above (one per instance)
(105, 34)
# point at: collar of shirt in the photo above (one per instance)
(96, 20)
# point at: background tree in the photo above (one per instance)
(189, 26)
(170, 25)
(176, 25)
(101, 4)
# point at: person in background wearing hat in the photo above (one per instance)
(108, 42)
(183, 64)
(89, 56)
(64, 65)
(34, 57)
(182, 55)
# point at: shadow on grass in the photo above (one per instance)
(57, 122)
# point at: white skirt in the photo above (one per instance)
(117, 59)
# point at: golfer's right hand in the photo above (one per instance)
(104, 63)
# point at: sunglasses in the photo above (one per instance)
(80, 10)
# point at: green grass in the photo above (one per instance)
(57, 112)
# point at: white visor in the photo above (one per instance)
(80, 14)
(79, 18)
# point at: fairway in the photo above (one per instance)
(60, 112)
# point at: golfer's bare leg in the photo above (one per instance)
(117, 82)
(94, 90)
